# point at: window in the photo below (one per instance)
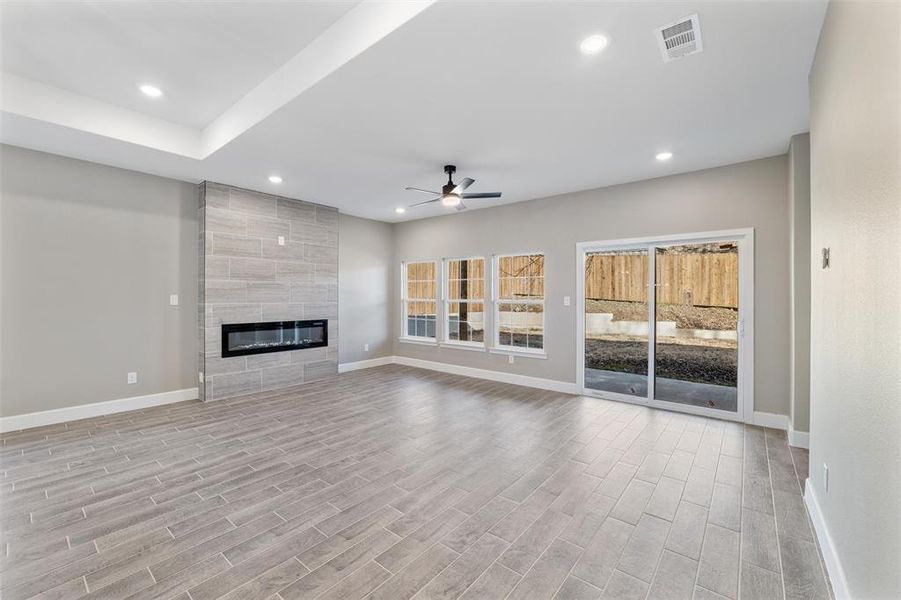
(419, 299)
(519, 302)
(464, 301)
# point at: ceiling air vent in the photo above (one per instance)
(680, 38)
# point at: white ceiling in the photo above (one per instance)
(205, 57)
(500, 89)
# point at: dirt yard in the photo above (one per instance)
(700, 364)
(685, 316)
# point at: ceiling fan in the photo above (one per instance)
(453, 194)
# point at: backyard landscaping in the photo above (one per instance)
(713, 361)
(686, 316)
(700, 364)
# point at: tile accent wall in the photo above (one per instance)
(246, 277)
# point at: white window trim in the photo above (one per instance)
(422, 341)
(518, 351)
(445, 300)
(496, 346)
(472, 346)
(415, 339)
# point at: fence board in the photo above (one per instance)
(690, 278)
(700, 279)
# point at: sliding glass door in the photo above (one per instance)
(616, 321)
(696, 318)
(661, 321)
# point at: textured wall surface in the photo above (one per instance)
(90, 255)
(855, 394)
(246, 277)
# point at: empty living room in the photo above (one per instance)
(439, 299)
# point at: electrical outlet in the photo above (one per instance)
(365, 347)
(511, 359)
(132, 378)
(281, 240)
(173, 299)
(566, 301)
(825, 477)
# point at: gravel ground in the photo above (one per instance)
(700, 364)
(685, 316)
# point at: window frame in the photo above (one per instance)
(497, 347)
(445, 302)
(404, 300)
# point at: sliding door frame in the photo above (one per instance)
(745, 388)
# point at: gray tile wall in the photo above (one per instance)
(246, 276)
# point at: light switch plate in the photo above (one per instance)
(173, 299)
(281, 240)
(566, 301)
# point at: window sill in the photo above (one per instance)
(472, 346)
(519, 352)
(420, 341)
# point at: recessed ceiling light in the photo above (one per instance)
(662, 156)
(593, 44)
(400, 210)
(151, 90)
(275, 179)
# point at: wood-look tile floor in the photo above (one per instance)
(398, 483)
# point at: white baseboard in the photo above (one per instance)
(74, 413)
(799, 439)
(365, 364)
(830, 556)
(97, 409)
(85, 411)
(771, 420)
(535, 382)
(762, 419)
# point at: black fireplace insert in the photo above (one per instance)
(275, 336)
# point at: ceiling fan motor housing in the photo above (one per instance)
(450, 185)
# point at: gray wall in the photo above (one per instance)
(366, 291)
(90, 255)
(799, 233)
(855, 417)
(752, 194)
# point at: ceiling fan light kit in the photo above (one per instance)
(452, 194)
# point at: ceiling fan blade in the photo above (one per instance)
(461, 206)
(426, 202)
(465, 183)
(482, 195)
(416, 189)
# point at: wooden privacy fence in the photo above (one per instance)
(709, 279)
(519, 277)
(692, 278)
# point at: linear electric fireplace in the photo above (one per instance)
(275, 336)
